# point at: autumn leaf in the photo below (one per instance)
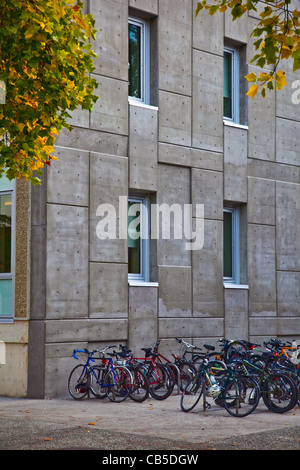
(252, 91)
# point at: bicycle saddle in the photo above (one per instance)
(209, 347)
(148, 352)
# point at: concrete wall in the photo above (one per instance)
(178, 151)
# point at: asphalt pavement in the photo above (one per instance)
(151, 426)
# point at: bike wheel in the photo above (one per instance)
(241, 396)
(118, 383)
(187, 371)
(192, 393)
(97, 381)
(79, 382)
(234, 350)
(279, 393)
(140, 385)
(161, 381)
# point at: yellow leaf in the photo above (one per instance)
(251, 77)
(252, 91)
(280, 80)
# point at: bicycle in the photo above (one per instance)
(107, 379)
(160, 376)
(230, 349)
(140, 386)
(278, 390)
(182, 368)
(238, 394)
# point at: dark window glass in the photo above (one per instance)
(135, 61)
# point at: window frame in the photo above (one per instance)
(235, 85)
(9, 188)
(143, 275)
(235, 245)
(144, 59)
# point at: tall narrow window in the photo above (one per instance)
(138, 239)
(231, 245)
(231, 85)
(138, 60)
(6, 249)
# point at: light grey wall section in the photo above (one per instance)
(262, 270)
(175, 118)
(207, 100)
(143, 330)
(236, 308)
(207, 189)
(175, 37)
(149, 6)
(175, 291)
(108, 181)
(261, 201)
(142, 149)
(85, 330)
(235, 164)
(208, 32)
(67, 262)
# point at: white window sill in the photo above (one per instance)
(142, 284)
(134, 102)
(234, 124)
(231, 285)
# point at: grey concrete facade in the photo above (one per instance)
(178, 149)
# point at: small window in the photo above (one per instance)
(6, 249)
(138, 238)
(231, 245)
(231, 95)
(138, 60)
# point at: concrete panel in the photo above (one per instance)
(87, 330)
(287, 100)
(174, 188)
(288, 226)
(150, 6)
(262, 275)
(236, 30)
(67, 260)
(174, 118)
(207, 189)
(143, 148)
(110, 113)
(235, 164)
(93, 141)
(175, 66)
(287, 141)
(175, 291)
(263, 326)
(208, 31)
(111, 45)
(261, 201)
(142, 331)
(262, 130)
(208, 272)
(288, 294)
(108, 290)
(236, 313)
(273, 171)
(207, 117)
(289, 326)
(109, 180)
(190, 157)
(195, 327)
(68, 178)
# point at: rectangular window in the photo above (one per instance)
(138, 238)
(6, 248)
(138, 60)
(231, 245)
(231, 95)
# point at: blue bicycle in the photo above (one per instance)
(104, 379)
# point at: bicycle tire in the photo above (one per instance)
(187, 371)
(241, 396)
(161, 381)
(192, 394)
(79, 382)
(97, 381)
(235, 349)
(140, 387)
(279, 393)
(118, 383)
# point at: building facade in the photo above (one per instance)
(205, 181)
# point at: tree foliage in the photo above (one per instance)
(276, 37)
(45, 61)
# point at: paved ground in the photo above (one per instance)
(150, 426)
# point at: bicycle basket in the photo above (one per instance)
(295, 357)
